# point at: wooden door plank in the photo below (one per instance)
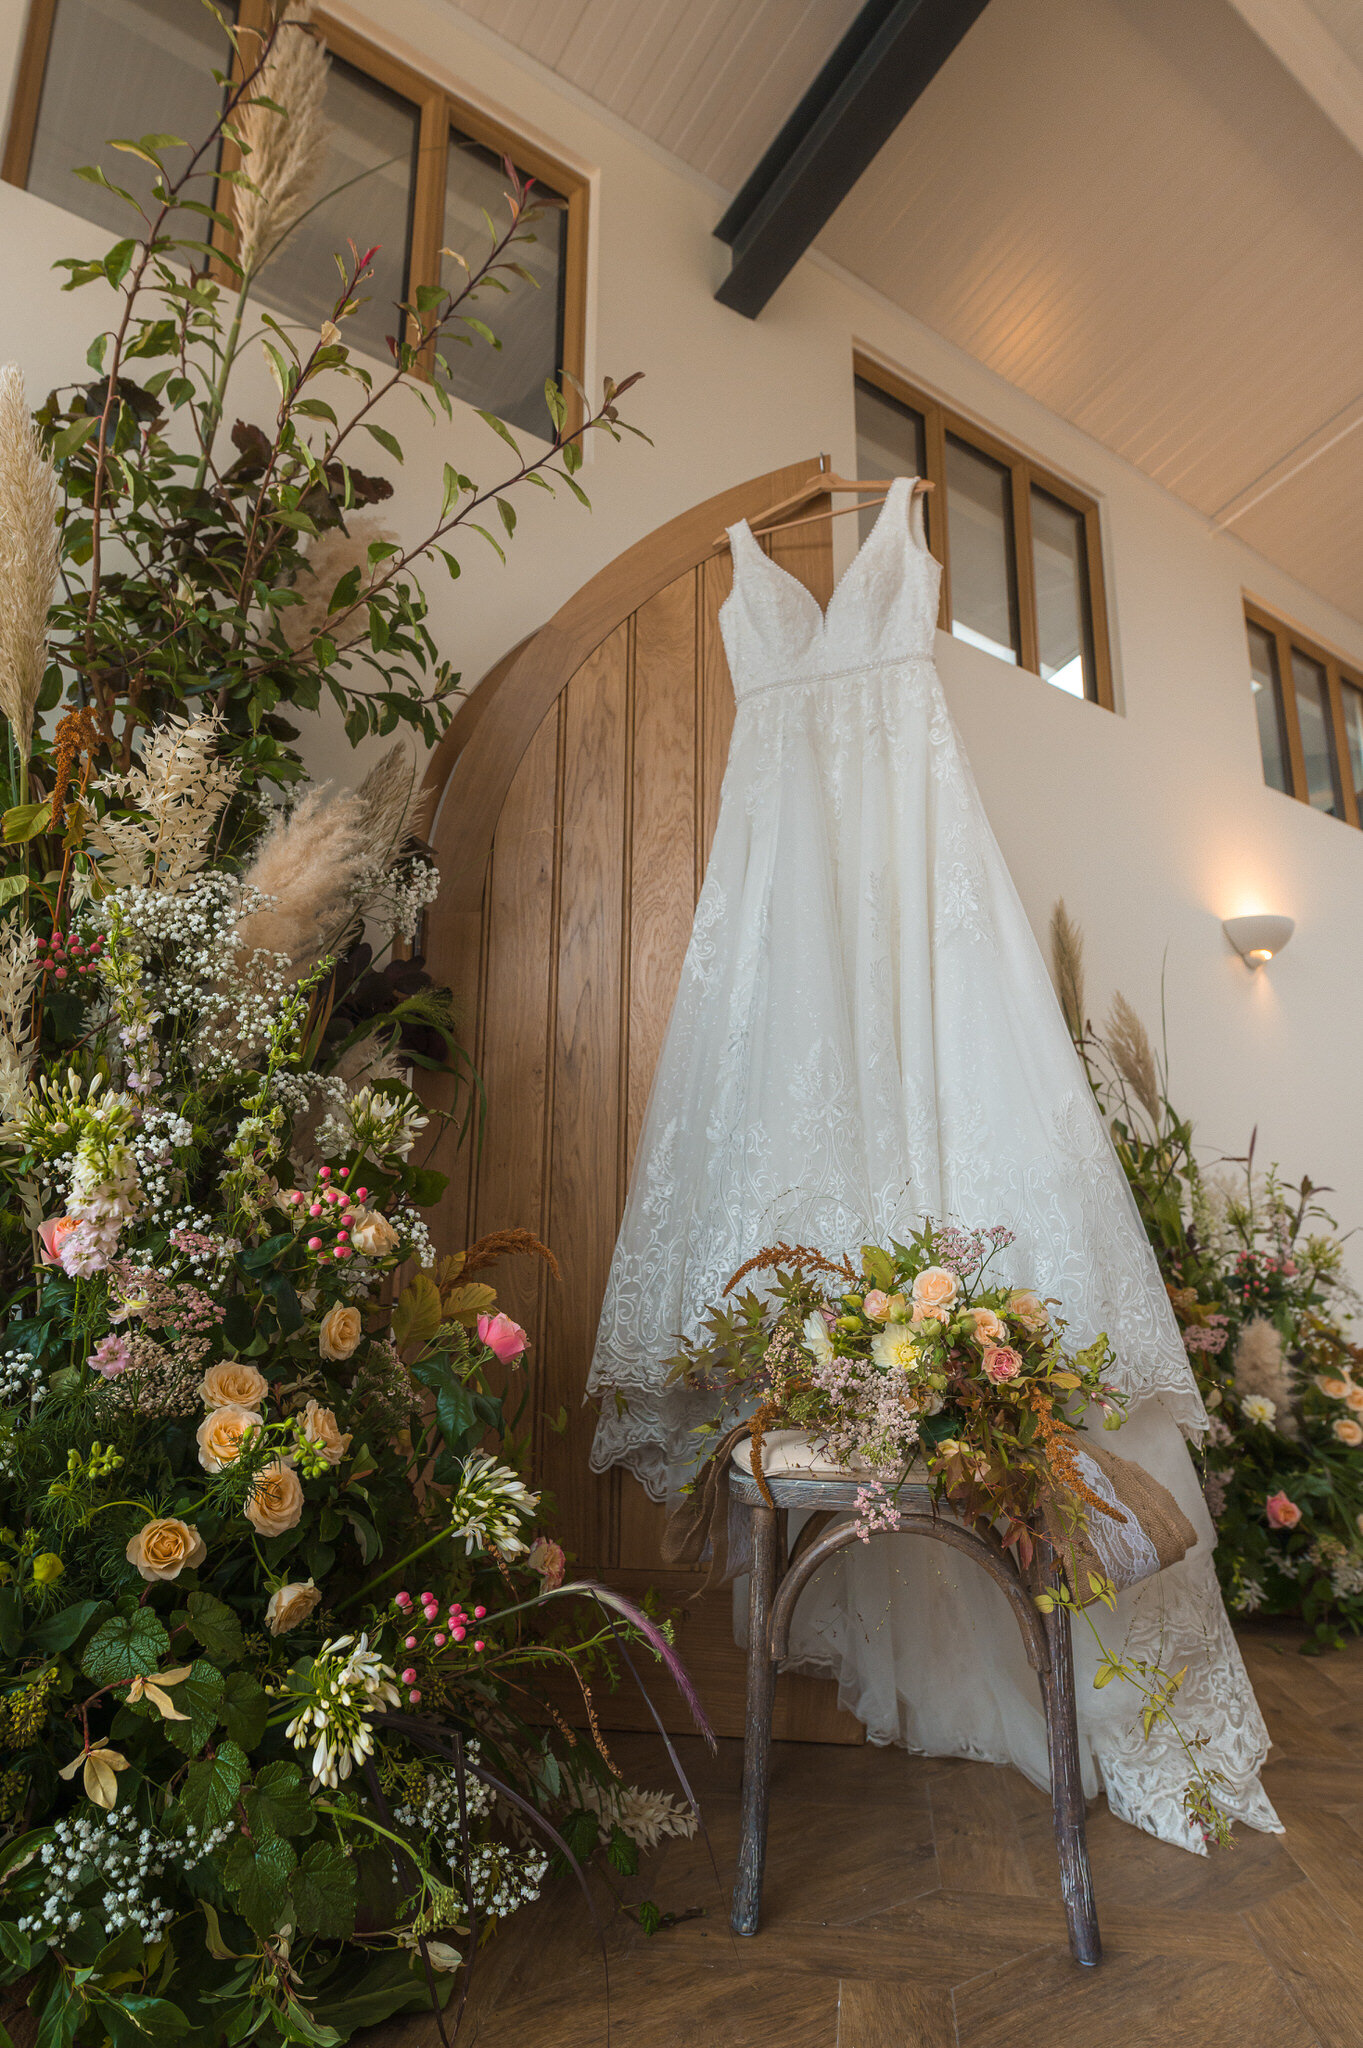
(583, 1208)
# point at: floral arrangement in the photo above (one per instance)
(1255, 1273)
(916, 1357)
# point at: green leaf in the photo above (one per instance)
(508, 513)
(127, 1644)
(259, 1872)
(454, 1413)
(215, 1628)
(26, 821)
(74, 437)
(199, 1696)
(416, 1316)
(245, 1709)
(500, 427)
(450, 495)
(10, 887)
(60, 1630)
(324, 1892)
(213, 1786)
(118, 262)
(346, 591)
(279, 1803)
(134, 2021)
(385, 440)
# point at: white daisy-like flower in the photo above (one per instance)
(1258, 1408)
(895, 1348)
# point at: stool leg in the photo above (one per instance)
(1067, 1790)
(752, 1852)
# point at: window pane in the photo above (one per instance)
(124, 68)
(980, 523)
(1317, 733)
(372, 137)
(1263, 674)
(1063, 621)
(1353, 732)
(527, 322)
(891, 441)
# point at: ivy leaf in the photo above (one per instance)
(245, 1709)
(127, 1646)
(213, 1786)
(259, 1872)
(199, 1696)
(324, 1892)
(278, 1802)
(215, 1627)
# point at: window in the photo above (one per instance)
(1309, 711)
(1021, 553)
(419, 168)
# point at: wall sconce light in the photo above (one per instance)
(1257, 939)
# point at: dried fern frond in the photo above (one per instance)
(804, 1258)
(282, 154)
(179, 790)
(499, 1244)
(1129, 1044)
(20, 967)
(1067, 967)
(29, 497)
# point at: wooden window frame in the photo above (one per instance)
(1285, 638)
(939, 421)
(440, 111)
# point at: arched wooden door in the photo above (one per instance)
(578, 795)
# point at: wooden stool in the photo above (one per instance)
(776, 1584)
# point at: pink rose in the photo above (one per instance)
(877, 1305)
(1282, 1513)
(1001, 1363)
(548, 1560)
(502, 1336)
(53, 1234)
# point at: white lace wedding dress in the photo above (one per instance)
(865, 1035)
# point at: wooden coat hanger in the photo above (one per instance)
(820, 486)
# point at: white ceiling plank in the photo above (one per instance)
(1302, 43)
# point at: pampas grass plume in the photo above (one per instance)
(307, 866)
(1129, 1044)
(1261, 1368)
(332, 555)
(1067, 967)
(282, 154)
(28, 558)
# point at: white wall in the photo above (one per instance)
(1154, 823)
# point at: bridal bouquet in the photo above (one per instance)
(917, 1356)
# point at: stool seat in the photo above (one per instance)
(795, 1454)
(796, 1478)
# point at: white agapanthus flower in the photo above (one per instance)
(343, 1692)
(488, 1507)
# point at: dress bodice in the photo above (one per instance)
(883, 610)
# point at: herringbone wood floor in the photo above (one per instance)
(913, 1903)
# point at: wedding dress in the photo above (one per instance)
(865, 1035)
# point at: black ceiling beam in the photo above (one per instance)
(888, 57)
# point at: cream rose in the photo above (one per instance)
(233, 1384)
(320, 1427)
(1354, 1399)
(1029, 1310)
(276, 1503)
(372, 1234)
(934, 1293)
(1348, 1431)
(339, 1332)
(1336, 1389)
(161, 1549)
(989, 1328)
(289, 1605)
(222, 1433)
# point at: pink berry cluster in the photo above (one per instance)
(329, 1206)
(63, 956)
(442, 1631)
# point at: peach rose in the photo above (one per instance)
(320, 1427)
(988, 1328)
(372, 1234)
(1282, 1513)
(934, 1293)
(276, 1502)
(1349, 1432)
(1335, 1388)
(877, 1305)
(1028, 1309)
(1354, 1399)
(233, 1384)
(1001, 1363)
(162, 1548)
(287, 1606)
(339, 1331)
(52, 1235)
(222, 1433)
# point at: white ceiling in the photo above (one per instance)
(1138, 211)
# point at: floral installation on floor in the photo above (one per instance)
(914, 1363)
(1255, 1272)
